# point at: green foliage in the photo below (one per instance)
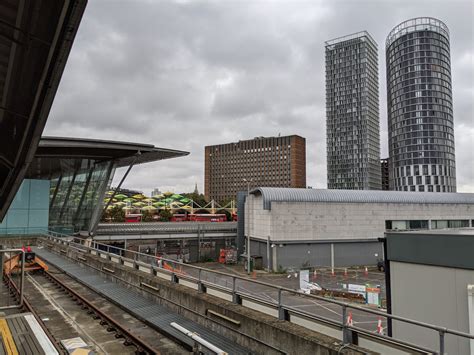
(116, 214)
(227, 214)
(147, 216)
(200, 199)
(165, 215)
(226, 201)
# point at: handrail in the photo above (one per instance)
(345, 305)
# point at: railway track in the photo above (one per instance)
(105, 327)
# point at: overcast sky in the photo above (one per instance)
(185, 74)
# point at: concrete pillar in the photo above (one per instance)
(275, 259)
(332, 256)
(268, 253)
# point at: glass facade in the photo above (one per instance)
(352, 113)
(420, 110)
(76, 194)
(29, 210)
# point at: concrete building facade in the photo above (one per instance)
(306, 227)
(431, 277)
(352, 113)
(262, 161)
(420, 107)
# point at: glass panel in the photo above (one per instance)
(399, 225)
(439, 224)
(458, 224)
(418, 224)
(22, 197)
(39, 194)
(82, 186)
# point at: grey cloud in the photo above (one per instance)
(188, 74)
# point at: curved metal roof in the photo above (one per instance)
(272, 194)
(122, 152)
(52, 150)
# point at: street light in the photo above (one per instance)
(248, 181)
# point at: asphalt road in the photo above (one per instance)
(318, 307)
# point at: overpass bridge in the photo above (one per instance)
(190, 241)
(165, 230)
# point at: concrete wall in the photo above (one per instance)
(304, 223)
(319, 221)
(312, 254)
(431, 294)
(288, 337)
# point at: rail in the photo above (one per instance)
(181, 271)
(26, 304)
(113, 324)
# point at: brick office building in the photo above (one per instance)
(263, 161)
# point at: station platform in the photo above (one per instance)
(141, 307)
(22, 334)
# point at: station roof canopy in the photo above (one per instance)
(51, 150)
(271, 194)
(35, 40)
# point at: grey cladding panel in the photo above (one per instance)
(442, 250)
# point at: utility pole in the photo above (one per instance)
(248, 181)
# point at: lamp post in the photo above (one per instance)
(248, 181)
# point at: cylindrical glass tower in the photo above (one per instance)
(420, 107)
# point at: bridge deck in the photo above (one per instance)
(166, 227)
(141, 307)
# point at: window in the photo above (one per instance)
(421, 188)
(418, 224)
(441, 224)
(425, 169)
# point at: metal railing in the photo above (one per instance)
(8, 276)
(206, 278)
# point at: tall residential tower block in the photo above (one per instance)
(262, 161)
(420, 107)
(352, 113)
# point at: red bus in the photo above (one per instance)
(179, 217)
(133, 218)
(208, 217)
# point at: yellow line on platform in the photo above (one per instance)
(10, 346)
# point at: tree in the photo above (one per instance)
(227, 214)
(165, 215)
(117, 214)
(199, 199)
(226, 201)
(147, 216)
